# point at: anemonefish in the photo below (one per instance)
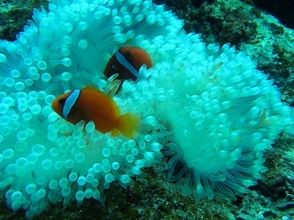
(90, 104)
(127, 62)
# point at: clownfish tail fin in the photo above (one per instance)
(128, 124)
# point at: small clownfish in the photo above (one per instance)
(127, 62)
(90, 104)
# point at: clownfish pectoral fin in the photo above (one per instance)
(128, 124)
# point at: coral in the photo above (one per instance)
(259, 35)
(208, 106)
(220, 21)
(14, 15)
(273, 49)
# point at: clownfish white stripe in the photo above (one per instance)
(70, 101)
(123, 61)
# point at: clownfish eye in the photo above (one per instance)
(61, 102)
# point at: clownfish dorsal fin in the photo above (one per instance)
(92, 88)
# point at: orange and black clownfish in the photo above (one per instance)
(90, 104)
(127, 62)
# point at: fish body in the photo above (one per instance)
(127, 62)
(90, 104)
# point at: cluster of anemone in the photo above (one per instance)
(205, 110)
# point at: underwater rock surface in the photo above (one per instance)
(220, 213)
(244, 26)
(15, 14)
(280, 9)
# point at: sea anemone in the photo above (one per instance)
(224, 114)
(44, 158)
